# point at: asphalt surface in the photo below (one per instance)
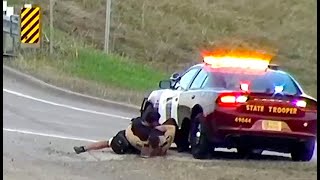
(41, 128)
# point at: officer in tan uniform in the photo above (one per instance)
(138, 132)
(149, 137)
(162, 137)
(144, 135)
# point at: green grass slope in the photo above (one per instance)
(169, 34)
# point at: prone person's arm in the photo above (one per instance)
(165, 128)
(168, 125)
(161, 128)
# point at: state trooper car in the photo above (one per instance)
(242, 103)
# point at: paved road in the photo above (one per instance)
(40, 130)
(41, 126)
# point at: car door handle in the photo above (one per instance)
(193, 96)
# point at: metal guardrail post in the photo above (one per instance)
(10, 35)
(14, 20)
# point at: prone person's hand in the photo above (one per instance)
(161, 128)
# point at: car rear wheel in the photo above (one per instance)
(303, 151)
(198, 138)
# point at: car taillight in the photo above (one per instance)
(228, 99)
(305, 104)
(231, 99)
(301, 103)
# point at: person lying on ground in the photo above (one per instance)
(130, 140)
(145, 136)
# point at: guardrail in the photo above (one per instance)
(11, 35)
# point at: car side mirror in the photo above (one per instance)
(175, 76)
(165, 84)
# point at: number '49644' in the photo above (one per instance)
(242, 120)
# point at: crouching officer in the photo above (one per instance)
(130, 140)
(160, 139)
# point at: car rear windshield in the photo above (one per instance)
(263, 82)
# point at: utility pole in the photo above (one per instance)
(51, 27)
(107, 28)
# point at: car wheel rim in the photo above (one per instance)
(197, 134)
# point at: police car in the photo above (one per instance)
(241, 102)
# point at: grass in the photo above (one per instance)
(93, 72)
(169, 35)
(96, 66)
(80, 67)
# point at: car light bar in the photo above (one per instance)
(237, 59)
(236, 62)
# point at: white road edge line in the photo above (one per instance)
(90, 140)
(63, 105)
(47, 135)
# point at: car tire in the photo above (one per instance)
(198, 138)
(181, 138)
(243, 152)
(246, 152)
(303, 151)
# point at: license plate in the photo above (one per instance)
(271, 125)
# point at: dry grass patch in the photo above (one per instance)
(169, 34)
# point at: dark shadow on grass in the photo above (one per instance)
(235, 156)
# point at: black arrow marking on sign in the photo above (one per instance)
(30, 20)
(33, 26)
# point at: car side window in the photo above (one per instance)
(198, 81)
(205, 82)
(186, 79)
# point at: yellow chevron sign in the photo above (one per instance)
(30, 25)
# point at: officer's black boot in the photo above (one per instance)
(79, 149)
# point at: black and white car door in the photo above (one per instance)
(166, 104)
(169, 99)
(196, 94)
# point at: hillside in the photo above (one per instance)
(169, 34)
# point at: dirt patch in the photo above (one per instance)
(218, 170)
(78, 21)
(158, 168)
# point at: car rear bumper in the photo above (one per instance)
(274, 141)
(224, 131)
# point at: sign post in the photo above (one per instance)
(107, 27)
(51, 28)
